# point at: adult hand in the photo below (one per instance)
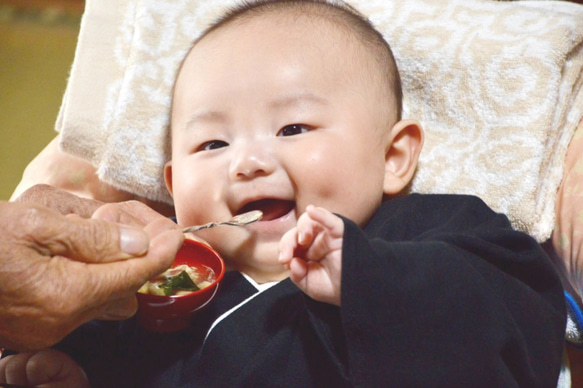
(59, 272)
(60, 200)
(54, 169)
(47, 368)
(130, 212)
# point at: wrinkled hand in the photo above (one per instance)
(59, 272)
(312, 251)
(66, 202)
(46, 368)
(59, 200)
(132, 213)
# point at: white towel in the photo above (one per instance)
(498, 87)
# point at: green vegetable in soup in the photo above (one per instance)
(180, 282)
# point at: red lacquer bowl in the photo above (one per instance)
(173, 313)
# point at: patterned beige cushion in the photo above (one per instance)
(497, 86)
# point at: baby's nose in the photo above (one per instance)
(251, 161)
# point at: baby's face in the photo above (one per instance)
(274, 117)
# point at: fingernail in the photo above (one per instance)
(301, 239)
(133, 241)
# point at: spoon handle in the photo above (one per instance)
(239, 220)
(199, 227)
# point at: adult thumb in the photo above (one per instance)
(94, 241)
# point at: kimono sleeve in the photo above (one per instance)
(454, 296)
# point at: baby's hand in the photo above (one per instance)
(46, 368)
(312, 251)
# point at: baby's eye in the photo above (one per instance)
(293, 129)
(212, 145)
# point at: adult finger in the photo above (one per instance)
(59, 200)
(120, 309)
(91, 241)
(123, 279)
(49, 368)
(114, 212)
(13, 369)
(129, 212)
(165, 242)
(120, 281)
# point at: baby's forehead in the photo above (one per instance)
(327, 31)
(283, 20)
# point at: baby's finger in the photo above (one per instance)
(298, 270)
(327, 219)
(287, 245)
(307, 230)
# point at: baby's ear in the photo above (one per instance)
(168, 176)
(401, 155)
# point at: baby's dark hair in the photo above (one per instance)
(342, 15)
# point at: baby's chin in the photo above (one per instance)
(261, 277)
(256, 259)
(261, 271)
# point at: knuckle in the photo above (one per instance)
(132, 205)
(98, 236)
(85, 240)
(35, 194)
(32, 224)
(124, 212)
(109, 212)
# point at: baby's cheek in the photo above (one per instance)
(193, 203)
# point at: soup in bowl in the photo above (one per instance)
(168, 302)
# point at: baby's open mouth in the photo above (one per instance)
(271, 208)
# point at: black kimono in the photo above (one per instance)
(438, 290)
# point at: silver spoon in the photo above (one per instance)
(238, 220)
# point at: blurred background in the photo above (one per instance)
(37, 46)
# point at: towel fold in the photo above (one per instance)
(498, 87)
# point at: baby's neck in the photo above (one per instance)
(263, 277)
(260, 286)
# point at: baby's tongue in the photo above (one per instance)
(271, 208)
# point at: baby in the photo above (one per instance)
(294, 108)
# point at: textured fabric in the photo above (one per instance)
(437, 291)
(497, 85)
(499, 90)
